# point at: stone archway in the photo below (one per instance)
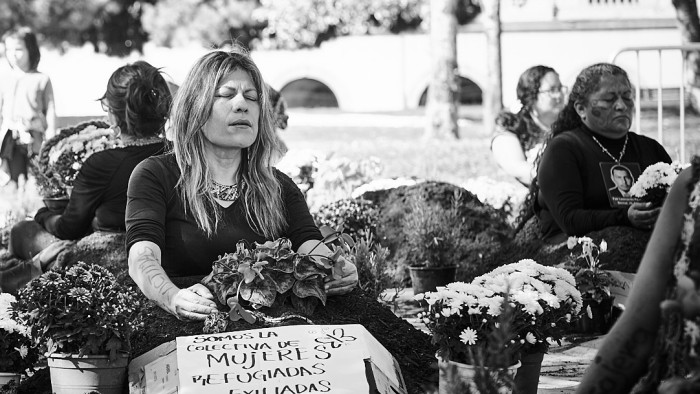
(308, 93)
(469, 93)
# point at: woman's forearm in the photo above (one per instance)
(146, 270)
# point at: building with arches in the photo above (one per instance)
(391, 72)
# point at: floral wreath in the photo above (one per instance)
(61, 158)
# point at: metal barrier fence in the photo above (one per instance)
(682, 50)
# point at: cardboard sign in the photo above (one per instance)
(283, 360)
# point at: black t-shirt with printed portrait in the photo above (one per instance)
(577, 194)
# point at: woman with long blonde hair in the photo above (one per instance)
(215, 188)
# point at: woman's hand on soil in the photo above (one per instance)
(194, 303)
(643, 215)
(346, 283)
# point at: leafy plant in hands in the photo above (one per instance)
(269, 274)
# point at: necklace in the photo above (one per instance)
(622, 153)
(139, 141)
(223, 192)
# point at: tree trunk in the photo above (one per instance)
(689, 25)
(493, 97)
(443, 92)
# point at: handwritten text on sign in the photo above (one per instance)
(282, 360)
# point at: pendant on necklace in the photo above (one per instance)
(223, 192)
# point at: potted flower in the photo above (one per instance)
(269, 275)
(471, 325)
(17, 352)
(594, 283)
(85, 318)
(433, 238)
(655, 182)
(547, 301)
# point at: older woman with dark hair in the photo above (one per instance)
(137, 100)
(216, 188)
(571, 194)
(519, 136)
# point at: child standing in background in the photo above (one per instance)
(28, 115)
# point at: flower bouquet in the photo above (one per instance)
(81, 310)
(17, 352)
(547, 295)
(472, 327)
(464, 317)
(63, 155)
(269, 274)
(655, 182)
(461, 317)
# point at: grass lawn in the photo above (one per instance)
(397, 140)
(404, 152)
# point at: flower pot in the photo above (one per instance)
(73, 374)
(428, 278)
(458, 378)
(7, 377)
(528, 376)
(600, 320)
(56, 204)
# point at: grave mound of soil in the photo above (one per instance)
(485, 228)
(626, 247)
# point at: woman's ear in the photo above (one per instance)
(580, 109)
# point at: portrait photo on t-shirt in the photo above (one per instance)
(618, 179)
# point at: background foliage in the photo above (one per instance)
(117, 27)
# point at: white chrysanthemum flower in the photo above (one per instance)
(494, 305)
(550, 299)
(468, 336)
(529, 301)
(603, 246)
(23, 351)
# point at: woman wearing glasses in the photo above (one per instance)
(137, 101)
(591, 158)
(519, 136)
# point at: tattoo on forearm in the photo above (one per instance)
(613, 375)
(148, 264)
